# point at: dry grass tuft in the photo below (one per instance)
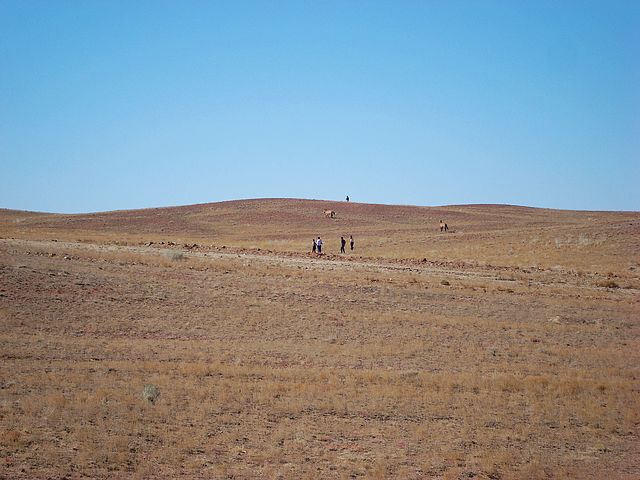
(175, 256)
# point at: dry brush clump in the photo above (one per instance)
(609, 283)
(151, 393)
(175, 256)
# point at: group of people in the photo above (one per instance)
(443, 226)
(317, 245)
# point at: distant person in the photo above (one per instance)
(319, 245)
(446, 227)
(442, 225)
(313, 248)
(351, 242)
(343, 242)
(347, 198)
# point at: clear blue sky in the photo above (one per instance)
(110, 104)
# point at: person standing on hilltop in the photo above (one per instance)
(347, 198)
(351, 242)
(343, 242)
(319, 245)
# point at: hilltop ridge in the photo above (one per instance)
(497, 234)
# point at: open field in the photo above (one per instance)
(507, 348)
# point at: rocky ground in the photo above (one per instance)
(506, 349)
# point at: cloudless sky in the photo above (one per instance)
(110, 104)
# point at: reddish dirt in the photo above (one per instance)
(507, 348)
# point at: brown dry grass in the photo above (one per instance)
(486, 234)
(284, 365)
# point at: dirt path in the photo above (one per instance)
(451, 270)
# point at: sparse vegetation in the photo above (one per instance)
(292, 366)
(151, 393)
(175, 256)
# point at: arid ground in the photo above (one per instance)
(508, 347)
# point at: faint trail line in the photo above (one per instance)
(292, 260)
(328, 262)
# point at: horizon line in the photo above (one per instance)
(314, 200)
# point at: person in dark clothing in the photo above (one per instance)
(347, 198)
(446, 227)
(351, 242)
(343, 242)
(313, 248)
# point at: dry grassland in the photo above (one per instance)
(508, 349)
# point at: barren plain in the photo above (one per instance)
(508, 347)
